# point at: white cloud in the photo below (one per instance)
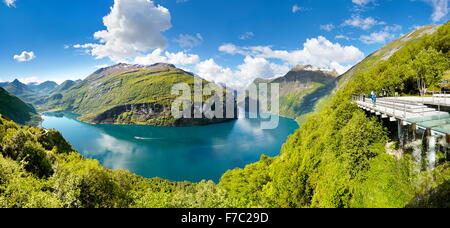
(9, 3)
(233, 49)
(132, 27)
(246, 73)
(246, 36)
(25, 56)
(363, 23)
(318, 52)
(181, 58)
(342, 37)
(256, 67)
(296, 8)
(393, 28)
(327, 27)
(381, 37)
(84, 46)
(362, 2)
(101, 66)
(211, 71)
(440, 9)
(376, 37)
(157, 56)
(188, 41)
(87, 48)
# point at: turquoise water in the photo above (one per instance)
(178, 154)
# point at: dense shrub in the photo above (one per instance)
(337, 158)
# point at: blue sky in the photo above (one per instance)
(226, 41)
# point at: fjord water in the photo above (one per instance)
(178, 154)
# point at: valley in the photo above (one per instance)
(193, 153)
(120, 94)
(361, 117)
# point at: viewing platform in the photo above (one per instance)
(427, 113)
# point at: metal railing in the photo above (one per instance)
(400, 108)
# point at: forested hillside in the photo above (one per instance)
(38, 168)
(301, 88)
(127, 94)
(337, 158)
(17, 110)
(424, 60)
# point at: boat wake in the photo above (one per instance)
(142, 138)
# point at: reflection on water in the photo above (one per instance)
(187, 153)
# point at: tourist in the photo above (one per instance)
(374, 98)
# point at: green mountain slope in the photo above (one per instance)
(46, 87)
(386, 52)
(338, 158)
(64, 86)
(127, 94)
(19, 89)
(301, 88)
(377, 58)
(17, 110)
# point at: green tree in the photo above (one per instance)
(429, 66)
(85, 184)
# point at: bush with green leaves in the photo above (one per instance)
(337, 159)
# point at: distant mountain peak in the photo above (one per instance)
(48, 83)
(18, 84)
(141, 66)
(16, 81)
(122, 68)
(312, 68)
(303, 67)
(126, 66)
(304, 74)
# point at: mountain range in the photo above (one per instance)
(35, 93)
(96, 98)
(127, 94)
(337, 159)
(137, 94)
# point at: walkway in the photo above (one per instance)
(421, 111)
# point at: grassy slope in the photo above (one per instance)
(292, 104)
(338, 159)
(298, 96)
(93, 97)
(64, 86)
(372, 60)
(17, 110)
(387, 51)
